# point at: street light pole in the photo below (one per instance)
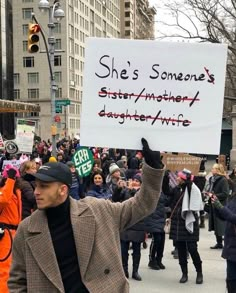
(53, 87)
(55, 12)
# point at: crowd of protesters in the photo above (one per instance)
(117, 176)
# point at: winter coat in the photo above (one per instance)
(10, 213)
(228, 213)
(136, 232)
(111, 183)
(155, 222)
(200, 181)
(27, 195)
(96, 225)
(99, 192)
(178, 232)
(221, 189)
(76, 186)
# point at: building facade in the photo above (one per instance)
(83, 18)
(137, 20)
(6, 66)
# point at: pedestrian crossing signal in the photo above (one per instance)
(33, 37)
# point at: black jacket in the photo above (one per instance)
(228, 213)
(178, 232)
(27, 195)
(155, 222)
(221, 190)
(136, 232)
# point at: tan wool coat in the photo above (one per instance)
(96, 225)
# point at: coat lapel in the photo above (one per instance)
(83, 224)
(41, 246)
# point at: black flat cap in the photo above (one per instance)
(54, 172)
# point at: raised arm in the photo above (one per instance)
(145, 201)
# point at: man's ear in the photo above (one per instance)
(64, 189)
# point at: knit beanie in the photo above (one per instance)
(185, 173)
(138, 177)
(113, 168)
(52, 160)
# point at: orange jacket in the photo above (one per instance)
(10, 204)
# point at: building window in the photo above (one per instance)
(16, 94)
(33, 77)
(57, 28)
(127, 33)
(58, 76)
(72, 94)
(127, 23)
(71, 46)
(34, 114)
(26, 13)
(25, 46)
(16, 78)
(58, 93)
(104, 10)
(72, 123)
(28, 61)
(33, 94)
(58, 44)
(127, 4)
(25, 29)
(57, 60)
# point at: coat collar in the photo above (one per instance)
(41, 246)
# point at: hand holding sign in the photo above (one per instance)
(152, 158)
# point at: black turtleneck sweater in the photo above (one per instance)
(64, 245)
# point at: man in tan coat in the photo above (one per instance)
(71, 246)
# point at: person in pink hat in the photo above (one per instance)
(186, 205)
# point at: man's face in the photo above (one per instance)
(49, 194)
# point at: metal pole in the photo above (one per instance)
(65, 132)
(53, 87)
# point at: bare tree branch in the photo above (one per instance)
(205, 21)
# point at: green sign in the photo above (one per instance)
(83, 160)
(62, 102)
(58, 109)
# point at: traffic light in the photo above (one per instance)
(33, 37)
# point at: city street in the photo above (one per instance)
(166, 281)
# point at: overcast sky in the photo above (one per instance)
(165, 16)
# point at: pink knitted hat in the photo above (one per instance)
(184, 174)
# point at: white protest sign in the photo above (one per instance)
(14, 163)
(25, 135)
(1, 142)
(170, 93)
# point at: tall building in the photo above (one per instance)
(83, 18)
(137, 20)
(6, 66)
